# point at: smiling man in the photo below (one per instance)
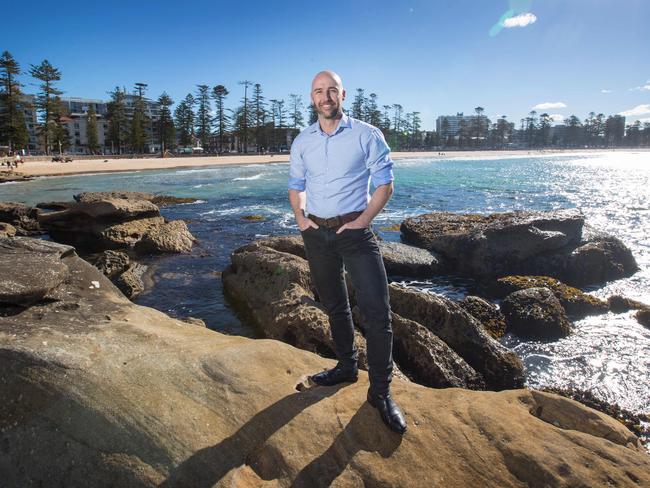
(332, 164)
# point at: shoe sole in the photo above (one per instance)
(351, 380)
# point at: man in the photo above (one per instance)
(332, 162)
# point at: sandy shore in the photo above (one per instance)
(82, 166)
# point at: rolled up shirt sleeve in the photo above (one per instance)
(297, 169)
(379, 162)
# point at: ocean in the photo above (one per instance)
(607, 354)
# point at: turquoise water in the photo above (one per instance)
(608, 354)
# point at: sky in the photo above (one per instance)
(438, 57)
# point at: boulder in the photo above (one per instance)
(489, 316)
(522, 243)
(170, 237)
(620, 304)
(158, 200)
(97, 391)
(427, 360)
(30, 269)
(598, 261)
(112, 263)
(116, 220)
(535, 313)
(21, 216)
(289, 244)
(643, 317)
(576, 303)
(7, 230)
(130, 280)
(273, 290)
(500, 367)
(404, 260)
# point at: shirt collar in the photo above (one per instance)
(345, 122)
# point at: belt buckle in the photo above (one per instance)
(333, 222)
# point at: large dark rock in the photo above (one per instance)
(158, 200)
(22, 217)
(273, 289)
(130, 281)
(404, 260)
(522, 243)
(428, 360)
(116, 220)
(500, 367)
(535, 313)
(486, 313)
(643, 316)
(576, 303)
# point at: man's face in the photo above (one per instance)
(327, 95)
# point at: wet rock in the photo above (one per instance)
(111, 263)
(576, 303)
(290, 244)
(643, 317)
(427, 360)
(535, 313)
(170, 237)
(486, 313)
(404, 260)
(54, 205)
(620, 304)
(116, 220)
(7, 230)
(13, 176)
(500, 367)
(522, 243)
(486, 245)
(158, 200)
(22, 217)
(253, 218)
(605, 259)
(273, 289)
(97, 196)
(130, 281)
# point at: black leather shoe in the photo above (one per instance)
(389, 411)
(335, 376)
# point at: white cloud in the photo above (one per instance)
(638, 110)
(521, 20)
(557, 117)
(605, 91)
(547, 105)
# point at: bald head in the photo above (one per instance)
(327, 94)
(329, 77)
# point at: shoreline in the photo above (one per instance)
(108, 165)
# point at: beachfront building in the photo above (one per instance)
(76, 123)
(451, 125)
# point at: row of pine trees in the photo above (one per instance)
(260, 124)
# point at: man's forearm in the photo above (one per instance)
(377, 202)
(298, 201)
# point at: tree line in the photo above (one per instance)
(258, 124)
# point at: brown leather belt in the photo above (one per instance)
(335, 222)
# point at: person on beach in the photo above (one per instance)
(331, 164)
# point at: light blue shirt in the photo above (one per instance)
(335, 170)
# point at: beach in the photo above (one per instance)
(84, 166)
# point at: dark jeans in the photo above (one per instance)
(356, 251)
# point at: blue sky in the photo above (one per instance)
(436, 57)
